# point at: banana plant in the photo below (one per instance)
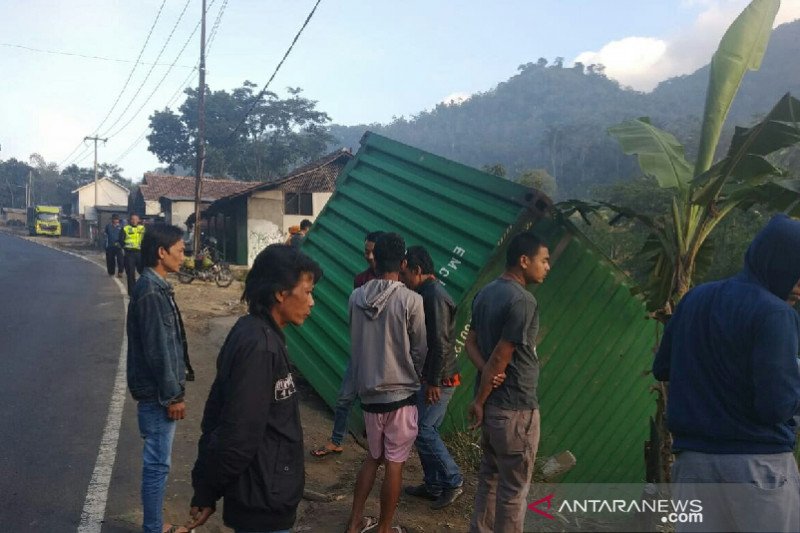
(706, 192)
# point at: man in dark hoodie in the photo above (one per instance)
(730, 356)
(388, 348)
(443, 479)
(251, 447)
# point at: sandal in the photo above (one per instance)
(177, 529)
(325, 450)
(368, 524)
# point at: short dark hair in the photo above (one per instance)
(305, 224)
(277, 268)
(158, 236)
(390, 250)
(373, 236)
(418, 256)
(115, 217)
(526, 243)
(132, 214)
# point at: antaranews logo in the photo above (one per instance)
(671, 511)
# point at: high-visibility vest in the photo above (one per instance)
(133, 237)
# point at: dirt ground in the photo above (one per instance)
(209, 312)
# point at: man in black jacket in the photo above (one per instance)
(251, 447)
(443, 478)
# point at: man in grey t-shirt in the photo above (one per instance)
(502, 339)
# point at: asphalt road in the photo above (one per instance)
(61, 329)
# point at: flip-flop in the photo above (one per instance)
(324, 450)
(178, 529)
(369, 523)
(398, 529)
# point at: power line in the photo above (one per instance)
(149, 72)
(84, 56)
(125, 86)
(277, 68)
(160, 82)
(136, 64)
(182, 86)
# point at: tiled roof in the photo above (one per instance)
(154, 186)
(318, 176)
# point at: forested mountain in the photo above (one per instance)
(555, 118)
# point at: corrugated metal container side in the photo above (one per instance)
(595, 345)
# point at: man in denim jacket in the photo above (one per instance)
(156, 368)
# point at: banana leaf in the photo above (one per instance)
(741, 49)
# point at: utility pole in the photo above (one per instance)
(95, 139)
(29, 190)
(201, 131)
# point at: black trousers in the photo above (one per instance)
(133, 264)
(115, 260)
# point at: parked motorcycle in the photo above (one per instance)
(206, 266)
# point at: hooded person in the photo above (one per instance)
(388, 348)
(730, 356)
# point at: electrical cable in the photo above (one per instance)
(263, 91)
(159, 84)
(184, 84)
(149, 72)
(125, 86)
(136, 64)
(84, 56)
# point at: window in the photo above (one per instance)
(298, 203)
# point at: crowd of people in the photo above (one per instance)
(730, 353)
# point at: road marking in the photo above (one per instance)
(94, 506)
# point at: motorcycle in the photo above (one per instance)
(206, 266)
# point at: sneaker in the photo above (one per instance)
(447, 497)
(421, 491)
(189, 375)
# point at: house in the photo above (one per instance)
(13, 216)
(109, 193)
(171, 198)
(245, 223)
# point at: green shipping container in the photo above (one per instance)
(595, 344)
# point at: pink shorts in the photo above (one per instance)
(391, 435)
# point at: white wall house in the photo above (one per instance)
(109, 193)
(247, 222)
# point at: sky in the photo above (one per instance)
(363, 61)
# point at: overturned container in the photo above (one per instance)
(595, 346)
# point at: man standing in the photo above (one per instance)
(297, 239)
(345, 399)
(132, 235)
(387, 338)
(730, 355)
(440, 376)
(251, 448)
(156, 351)
(502, 339)
(114, 254)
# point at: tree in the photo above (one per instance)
(704, 195)
(540, 179)
(276, 135)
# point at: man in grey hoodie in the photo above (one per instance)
(388, 349)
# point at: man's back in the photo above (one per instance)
(730, 356)
(504, 310)
(387, 337)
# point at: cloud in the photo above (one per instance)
(632, 61)
(455, 98)
(643, 62)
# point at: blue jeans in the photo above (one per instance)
(344, 402)
(441, 471)
(157, 431)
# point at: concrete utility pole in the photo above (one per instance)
(95, 139)
(201, 132)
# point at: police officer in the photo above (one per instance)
(132, 235)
